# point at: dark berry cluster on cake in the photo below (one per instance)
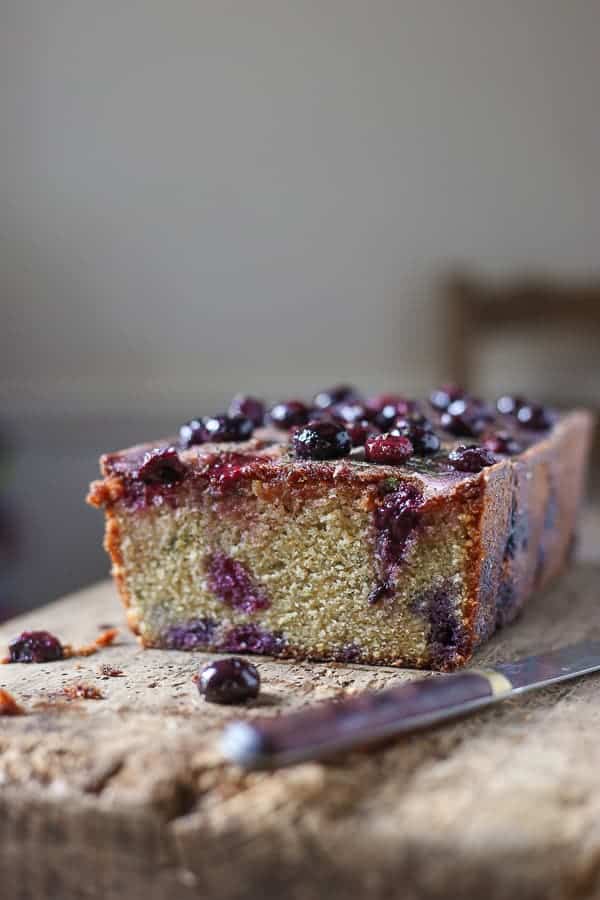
(366, 529)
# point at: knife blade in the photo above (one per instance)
(334, 726)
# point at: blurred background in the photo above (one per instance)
(201, 197)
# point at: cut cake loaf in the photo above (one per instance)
(381, 532)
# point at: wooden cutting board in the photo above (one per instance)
(127, 797)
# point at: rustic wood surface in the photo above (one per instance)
(127, 796)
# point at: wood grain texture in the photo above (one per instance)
(128, 797)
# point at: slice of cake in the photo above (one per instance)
(381, 531)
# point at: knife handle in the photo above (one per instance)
(337, 725)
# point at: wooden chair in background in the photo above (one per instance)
(479, 310)
(482, 309)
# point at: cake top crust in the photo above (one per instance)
(340, 438)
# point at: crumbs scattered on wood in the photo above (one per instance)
(107, 671)
(9, 706)
(104, 640)
(82, 692)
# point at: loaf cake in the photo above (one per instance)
(380, 531)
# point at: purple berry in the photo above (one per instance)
(441, 398)
(249, 407)
(359, 431)
(162, 466)
(35, 647)
(232, 680)
(195, 635)
(466, 418)
(233, 584)
(386, 408)
(509, 404)
(502, 443)
(534, 416)
(420, 433)
(379, 401)
(341, 393)
(322, 440)
(227, 428)
(349, 412)
(289, 415)
(470, 459)
(252, 639)
(192, 433)
(388, 449)
(395, 519)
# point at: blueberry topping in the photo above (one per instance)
(349, 412)
(192, 433)
(227, 428)
(502, 443)
(216, 428)
(379, 401)
(534, 416)
(419, 431)
(35, 647)
(341, 393)
(162, 467)
(386, 408)
(510, 404)
(322, 440)
(470, 459)
(232, 680)
(388, 449)
(289, 415)
(249, 407)
(441, 398)
(359, 431)
(466, 418)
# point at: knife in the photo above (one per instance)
(338, 725)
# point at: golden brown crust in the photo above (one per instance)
(112, 545)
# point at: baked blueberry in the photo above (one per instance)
(359, 431)
(378, 401)
(35, 647)
(388, 449)
(231, 680)
(349, 412)
(465, 418)
(192, 433)
(470, 458)
(534, 416)
(289, 414)
(249, 407)
(340, 393)
(510, 404)
(503, 443)
(384, 409)
(227, 428)
(443, 396)
(419, 431)
(321, 440)
(162, 466)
